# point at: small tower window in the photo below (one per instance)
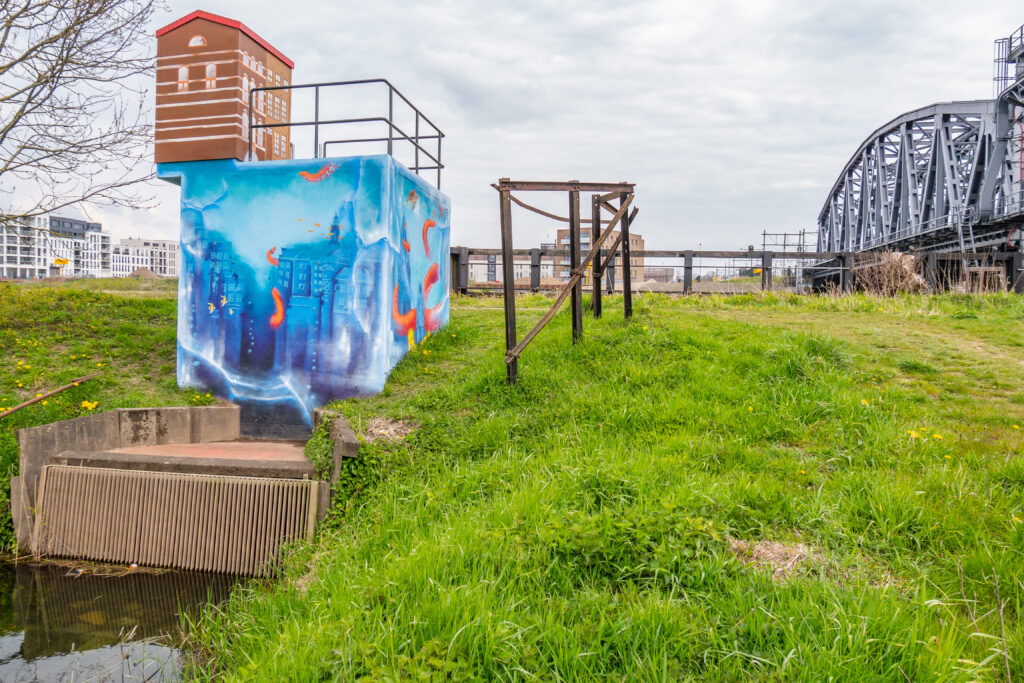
(182, 78)
(211, 76)
(197, 41)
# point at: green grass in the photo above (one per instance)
(577, 526)
(52, 334)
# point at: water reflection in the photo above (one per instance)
(56, 627)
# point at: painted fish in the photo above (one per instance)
(270, 256)
(320, 175)
(212, 307)
(223, 299)
(403, 321)
(427, 225)
(412, 199)
(278, 317)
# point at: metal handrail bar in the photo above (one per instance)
(415, 141)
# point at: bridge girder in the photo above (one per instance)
(929, 177)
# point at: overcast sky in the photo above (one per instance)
(731, 117)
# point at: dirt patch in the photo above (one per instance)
(781, 559)
(384, 429)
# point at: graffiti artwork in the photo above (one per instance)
(305, 281)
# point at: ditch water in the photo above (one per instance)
(56, 626)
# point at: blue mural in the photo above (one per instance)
(304, 281)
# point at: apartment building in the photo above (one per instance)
(159, 256)
(207, 66)
(54, 246)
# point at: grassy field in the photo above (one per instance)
(755, 487)
(51, 334)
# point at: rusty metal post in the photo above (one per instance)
(595, 208)
(535, 270)
(574, 259)
(627, 263)
(508, 284)
(766, 271)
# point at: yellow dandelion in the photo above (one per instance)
(44, 402)
(864, 402)
(426, 352)
(20, 384)
(750, 408)
(21, 362)
(1016, 426)
(803, 471)
(645, 327)
(38, 395)
(913, 434)
(937, 436)
(948, 457)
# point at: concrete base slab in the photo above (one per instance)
(241, 458)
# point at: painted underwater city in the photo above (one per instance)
(305, 281)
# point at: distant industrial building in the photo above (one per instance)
(636, 243)
(57, 246)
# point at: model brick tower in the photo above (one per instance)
(206, 67)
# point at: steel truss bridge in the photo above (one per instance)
(947, 177)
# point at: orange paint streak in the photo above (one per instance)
(403, 321)
(431, 316)
(278, 317)
(320, 175)
(405, 243)
(431, 278)
(270, 256)
(427, 225)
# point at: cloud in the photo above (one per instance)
(732, 117)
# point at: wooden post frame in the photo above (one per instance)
(601, 231)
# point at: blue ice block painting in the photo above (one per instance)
(304, 281)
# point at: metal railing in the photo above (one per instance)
(427, 132)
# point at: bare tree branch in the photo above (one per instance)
(73, 125)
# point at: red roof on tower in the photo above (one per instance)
(224, 21)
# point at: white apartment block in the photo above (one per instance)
(159, 256)
(53, 246)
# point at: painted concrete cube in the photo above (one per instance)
(305, 281)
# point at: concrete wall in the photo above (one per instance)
(305, 281)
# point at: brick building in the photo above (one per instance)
(206, 67)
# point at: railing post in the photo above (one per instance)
(766, 271)
(438, 160)
(391, 119)
(316, 122)
(464, 270)
(535, 270)
(595, 231)
(627, 263)
(453, 270)
(249, 157)
(416, 135)
(574, 261)
(687, 272)
(508, 284)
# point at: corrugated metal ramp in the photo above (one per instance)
(185, 521)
